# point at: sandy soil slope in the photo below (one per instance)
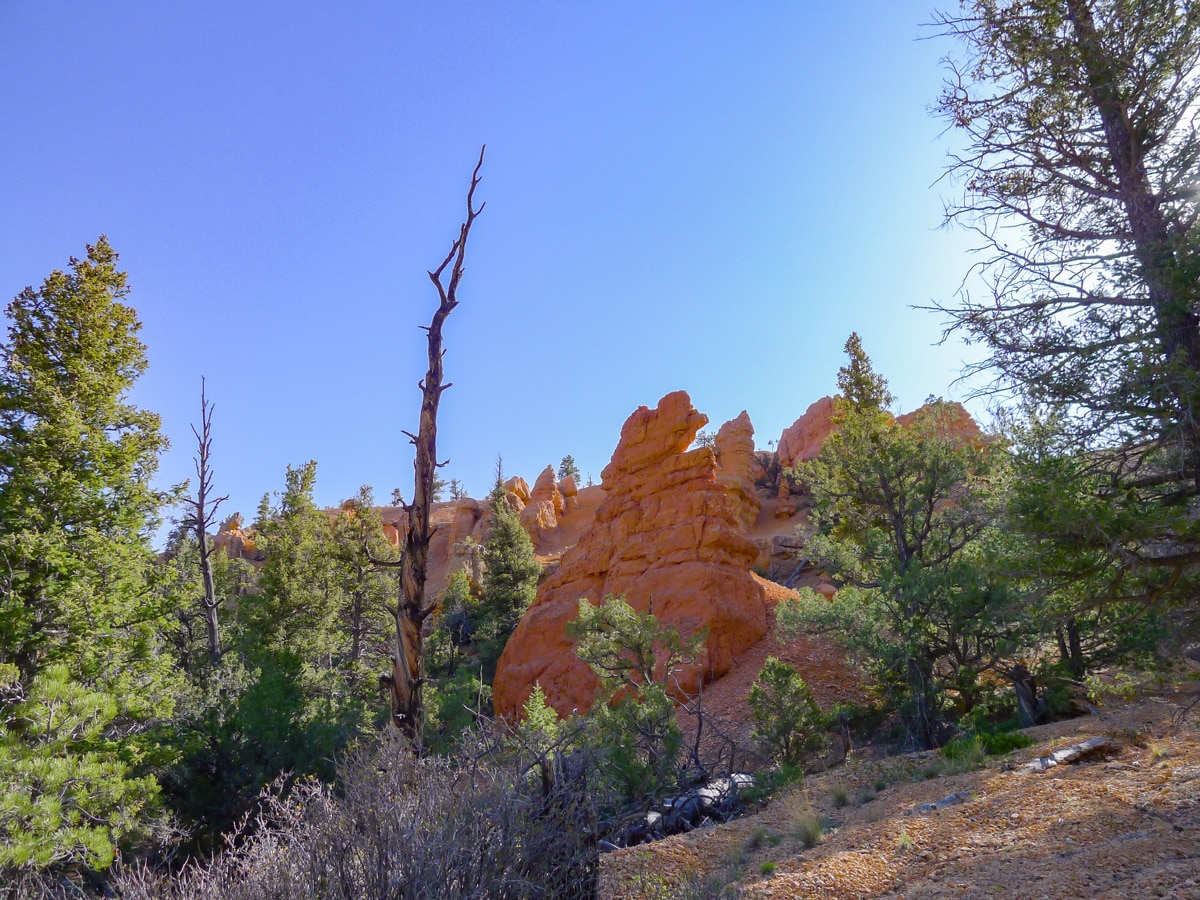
(1121, 824)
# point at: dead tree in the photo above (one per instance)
(203, 515)
(406, 679)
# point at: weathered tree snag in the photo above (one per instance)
(201, 518)
(406, 679)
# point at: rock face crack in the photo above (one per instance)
(672, 530)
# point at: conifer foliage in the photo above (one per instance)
(79, 670)
(510, 578)
(1080, 143)
(901, 509)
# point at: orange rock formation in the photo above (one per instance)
(802, 439)
(545, 489)
(517, 492)
(956, 423)
(545, 504)
(570, 492)
(234, 541)
(738, 467)
(668, 530)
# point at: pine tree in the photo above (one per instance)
(77, 508)
(296, 609)
(861, 387)
(510, 578)
(76, 462)
(1078, 146)
(900, 510)
(633, 717)
(788, 724)
(364, 589)
(568, 469)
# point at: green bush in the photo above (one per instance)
(964, 753)
(69, 793)
(1005, 742)
(788, 724)
(633, 719)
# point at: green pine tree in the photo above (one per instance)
(860, 386)
(510, 578)
(788, 724)
(568, 469)
(633, 718)
(79, 628)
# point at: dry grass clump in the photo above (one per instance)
(840, 794)
(808, 828)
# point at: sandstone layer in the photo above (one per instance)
(668, 532)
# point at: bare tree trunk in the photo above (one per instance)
(1026, 691)
(406, 678)
(924, 724)
(200, 520)
(1070, 649)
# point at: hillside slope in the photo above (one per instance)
(1122, 823)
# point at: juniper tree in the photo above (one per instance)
(1079, 156)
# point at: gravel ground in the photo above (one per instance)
(1124, 823)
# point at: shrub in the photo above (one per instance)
(405, 827)
(1005, 742)
(451, 703)
(788, 724)
(964, 753)
(633, 720)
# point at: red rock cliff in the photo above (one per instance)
(668, 529)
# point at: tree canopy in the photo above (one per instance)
(1078, 168)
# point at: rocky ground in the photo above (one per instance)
(1123, 822)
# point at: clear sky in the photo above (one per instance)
(706, 196)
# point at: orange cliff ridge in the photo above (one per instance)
(670, 530)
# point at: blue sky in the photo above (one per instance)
(679, 195)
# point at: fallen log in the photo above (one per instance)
(953, 800)
(1065, 755)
